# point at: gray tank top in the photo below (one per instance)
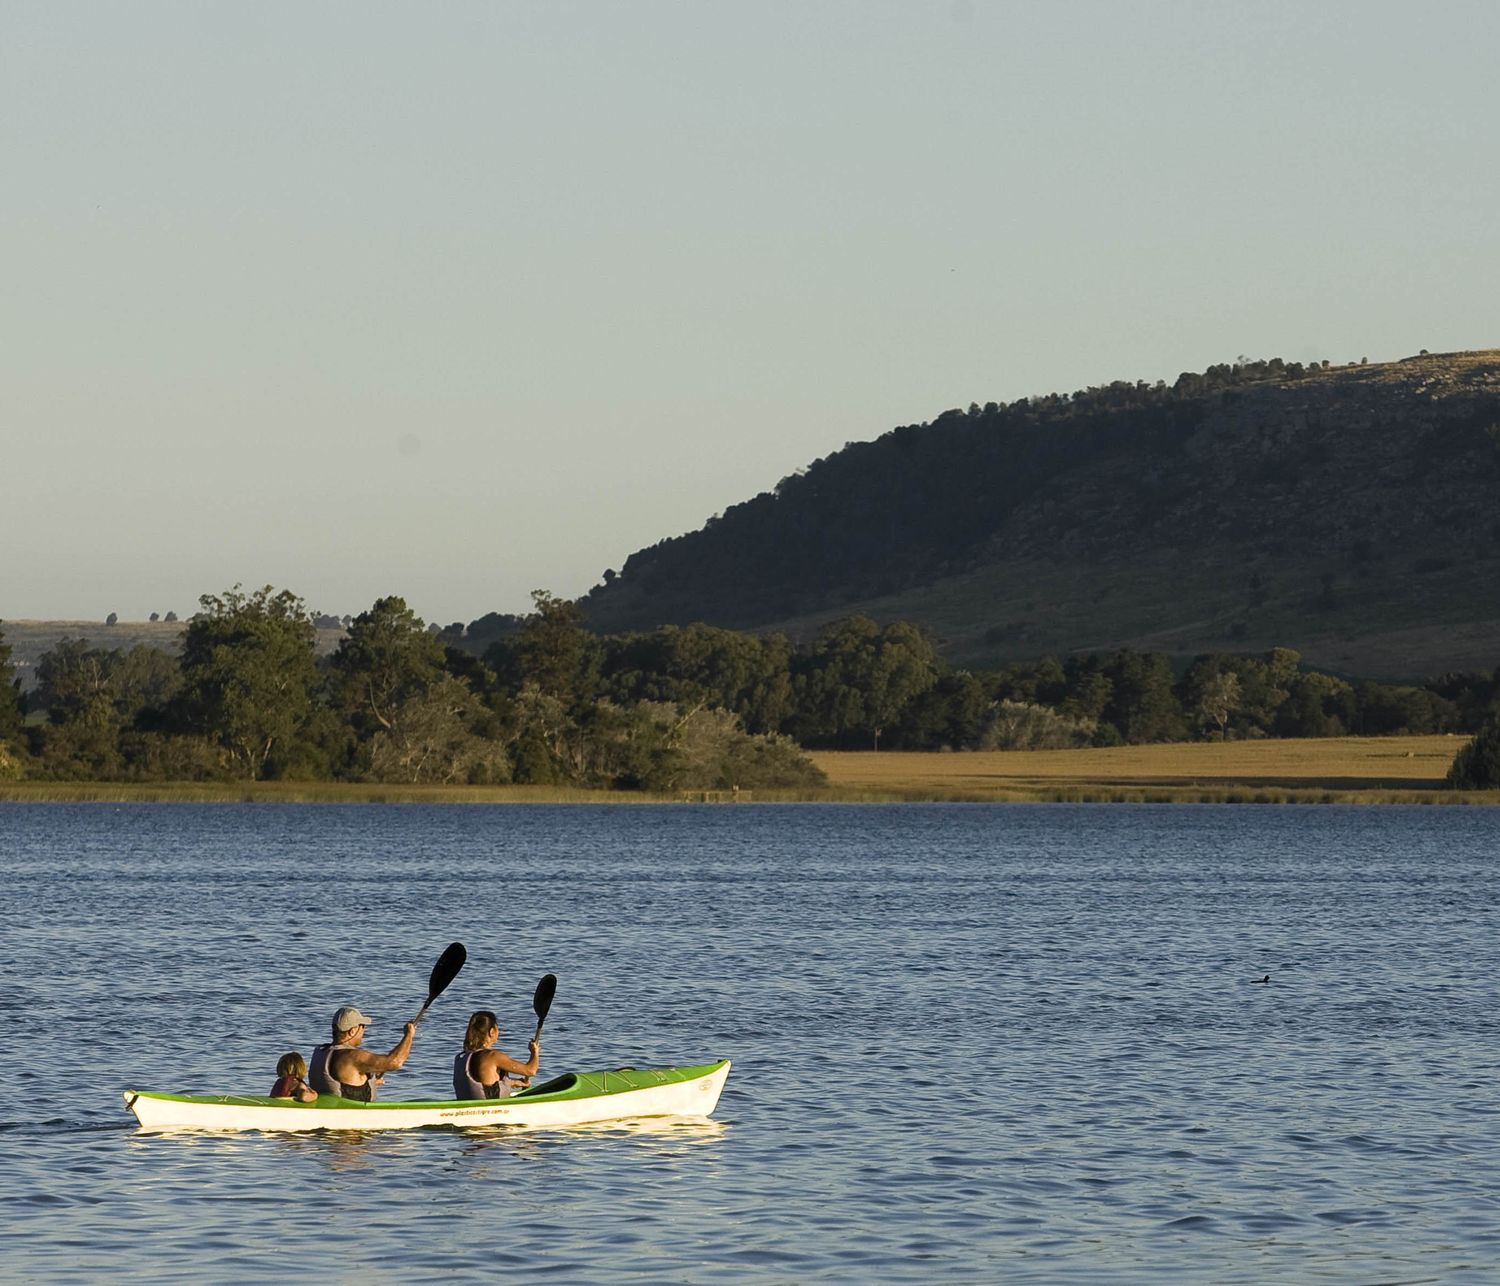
(321, 1077)
(466, 1087)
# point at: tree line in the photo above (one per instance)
(541, 699)
(248, 698)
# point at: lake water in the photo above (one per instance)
(972, 1043)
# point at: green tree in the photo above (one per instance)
(552, 651)
(82, 736)
(430, 737)
(1476, 696)
(386, 660)
(619, 745)
(85, 747)
(951, 715)
(71, 677)
(144, 682)
(1043, 682)
(541, 732)
(1142, 704)
(663, 746)
(249, 673)
(1264, 684)
(860, 677)
(1219, 699)
(1089, 689)
(10, 713)
(93, 697)
(708, 749)
(1023, 725)
(735, 671)
(1386, 709)
(1317, 705)
(160, 756)
(1477, 765)
(1193, 688)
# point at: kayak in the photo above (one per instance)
(577, 1098)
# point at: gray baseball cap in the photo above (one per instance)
(348, 1018)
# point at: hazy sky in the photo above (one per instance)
(456, 301)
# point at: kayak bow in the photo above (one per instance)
(577, 1098)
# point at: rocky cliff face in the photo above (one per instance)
(1352, 513)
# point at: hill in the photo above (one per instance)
(1346, 512)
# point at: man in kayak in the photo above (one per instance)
(482, 1071)
(342, 1067)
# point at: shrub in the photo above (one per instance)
(155, 756)
(1106, 735)
(1020, 725)
(1477, 765)
(12, 767)
(706, 748)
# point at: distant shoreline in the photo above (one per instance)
(1335, 770)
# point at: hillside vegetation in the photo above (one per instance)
(1347, 512)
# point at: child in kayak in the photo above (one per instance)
(291, 1079)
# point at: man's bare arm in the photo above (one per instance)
(372, 1064)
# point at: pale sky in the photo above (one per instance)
(460, 300)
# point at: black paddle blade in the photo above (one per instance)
(446, 970)
(541, 1001)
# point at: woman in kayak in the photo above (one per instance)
(482, 1071)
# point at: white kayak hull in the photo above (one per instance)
(576, 1099)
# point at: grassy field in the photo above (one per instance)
(1358, 770)
(1326, 770)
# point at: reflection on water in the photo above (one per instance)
(338, 1150)
(674, 1128)
(972, 1044)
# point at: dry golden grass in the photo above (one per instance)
(1343, 769)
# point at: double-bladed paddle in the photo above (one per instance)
(444, 972)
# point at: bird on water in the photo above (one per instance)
(1267, 978)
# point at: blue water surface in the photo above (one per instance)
(972, 1043)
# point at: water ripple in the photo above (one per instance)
(972, 1044)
